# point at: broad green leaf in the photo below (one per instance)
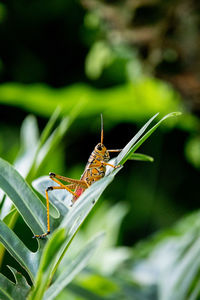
(130, 101)
(172, 260)
(48, 258)
(185, 266)
(195, 293)
(28, 141)
(107, 218)
(32, 211)
(28, 204)
(89, 284)
(141, 157)
(94, 285)
(9, 220)
(34, 214)
(81, 292)
(23, 163)
(73, 268)
(95, 281)
(34, 150)
(30, 146)
(13, 291)
(10, 216)
(27, 259)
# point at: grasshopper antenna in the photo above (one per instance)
(101, 129)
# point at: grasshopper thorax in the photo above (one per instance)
(101, 150)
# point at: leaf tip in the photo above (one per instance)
(176, 114)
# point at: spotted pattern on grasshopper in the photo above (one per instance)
(95, 169)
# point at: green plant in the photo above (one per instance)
(33, 153)
(42, 264)
(169, 261)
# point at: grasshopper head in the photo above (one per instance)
(102, 150)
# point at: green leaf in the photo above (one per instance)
(48, 141)
(52, 140)
(49, 126)
(31, 149)
(34, 214)
(25, 200)
(107, 218)
(9, 220)
(73, 268)
(130, 101)
(141, 157)
(18, 250)
(29, 142)
(32, 211)
(171, 260)
(47, 262)
(13, 291)
(30, 146)
(133, 145)
(81, 209)
(122, 157)
(83, 293)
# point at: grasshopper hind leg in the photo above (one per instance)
(61, 186)
(51, 188)
(42, 236)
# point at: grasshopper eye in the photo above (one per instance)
(99, 147)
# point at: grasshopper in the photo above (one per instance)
(95, 169)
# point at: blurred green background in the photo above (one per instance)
(127, 60)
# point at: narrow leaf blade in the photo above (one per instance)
(73, 268)
(18, 250)
(141, 157)
(49, 255)
(121, 158)
(126, 154)
(25, 200)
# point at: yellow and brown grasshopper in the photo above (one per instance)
(94, 170)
